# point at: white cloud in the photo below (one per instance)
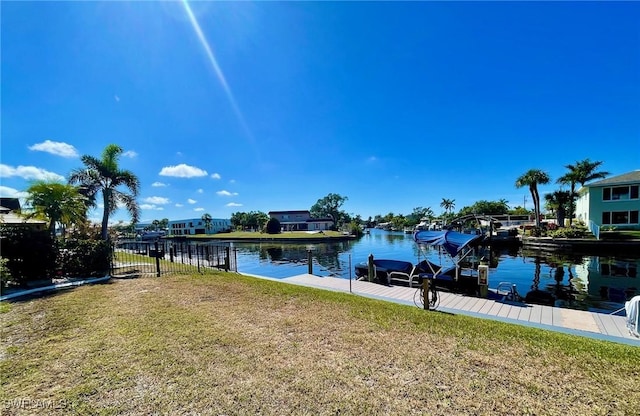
(372, 159)
(226, 193)
(179, 205)
(198, 209)
(158, 184)
(29, 173)
(130, 153)
(182, 171)
(115, 97)
(233, 204)
(151, 206)
(7, 192)
(191, 201)
(232, 181)
(200, 191)
(55, 148)
(157, 200)
(216, 176)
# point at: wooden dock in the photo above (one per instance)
(583, 323)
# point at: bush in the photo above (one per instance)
(84, 258)
(31, 254)
(568, 233)
(5, 276)
(354, 229)
(273, 226)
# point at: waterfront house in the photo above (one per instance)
(300, 221)
(611, 202)
(196, 226)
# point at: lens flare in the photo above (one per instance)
(218, 71)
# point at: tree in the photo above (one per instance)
(273, 226)
(206, 218)
(532, 178)
(448, 205)
(329, 206)
(486, 208)
(59, 203)
(582, 172)
(558, 202)
(105, 176)
(418, 214)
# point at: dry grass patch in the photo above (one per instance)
(229, 344)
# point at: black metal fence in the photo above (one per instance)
(132, 258)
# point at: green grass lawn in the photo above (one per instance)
(229, 344)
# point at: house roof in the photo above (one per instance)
(625, 178)
(289, 212)
(12, 203)
(13, 219)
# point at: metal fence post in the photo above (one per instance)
(310, 261)
(227, 260)
(157, 259)
(198, 257)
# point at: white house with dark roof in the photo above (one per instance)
(300, 221)
(613, 202)
(195, 226)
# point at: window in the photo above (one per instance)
(620, 193)
(620, 217)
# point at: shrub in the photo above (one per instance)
(354, 229)
(5, 276)
(84, 258)
(273, 226)
(568, 233)
(31, 254)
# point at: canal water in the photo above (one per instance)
(586, 282)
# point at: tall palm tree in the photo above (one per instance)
(59, 203)
(582, 172)
(105, 176)
(532, 178)
(207, 221)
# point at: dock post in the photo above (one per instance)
(310, 261)
(371, 269)
(425, 293)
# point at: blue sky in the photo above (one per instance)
(244, 106)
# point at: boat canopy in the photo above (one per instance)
(452, 241)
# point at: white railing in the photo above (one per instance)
(595, 229)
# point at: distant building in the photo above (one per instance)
(614, 201)
(300, 221)
(10, 215)
(195, 226)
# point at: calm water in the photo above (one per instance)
(577, 281)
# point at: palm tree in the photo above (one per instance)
(448, 204)
(582, 172)
(105, 176)
(532, 178)
(557, 202)
(58, 202)
(207, 221)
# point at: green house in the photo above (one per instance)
(612, 202)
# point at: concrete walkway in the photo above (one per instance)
(582, 323)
